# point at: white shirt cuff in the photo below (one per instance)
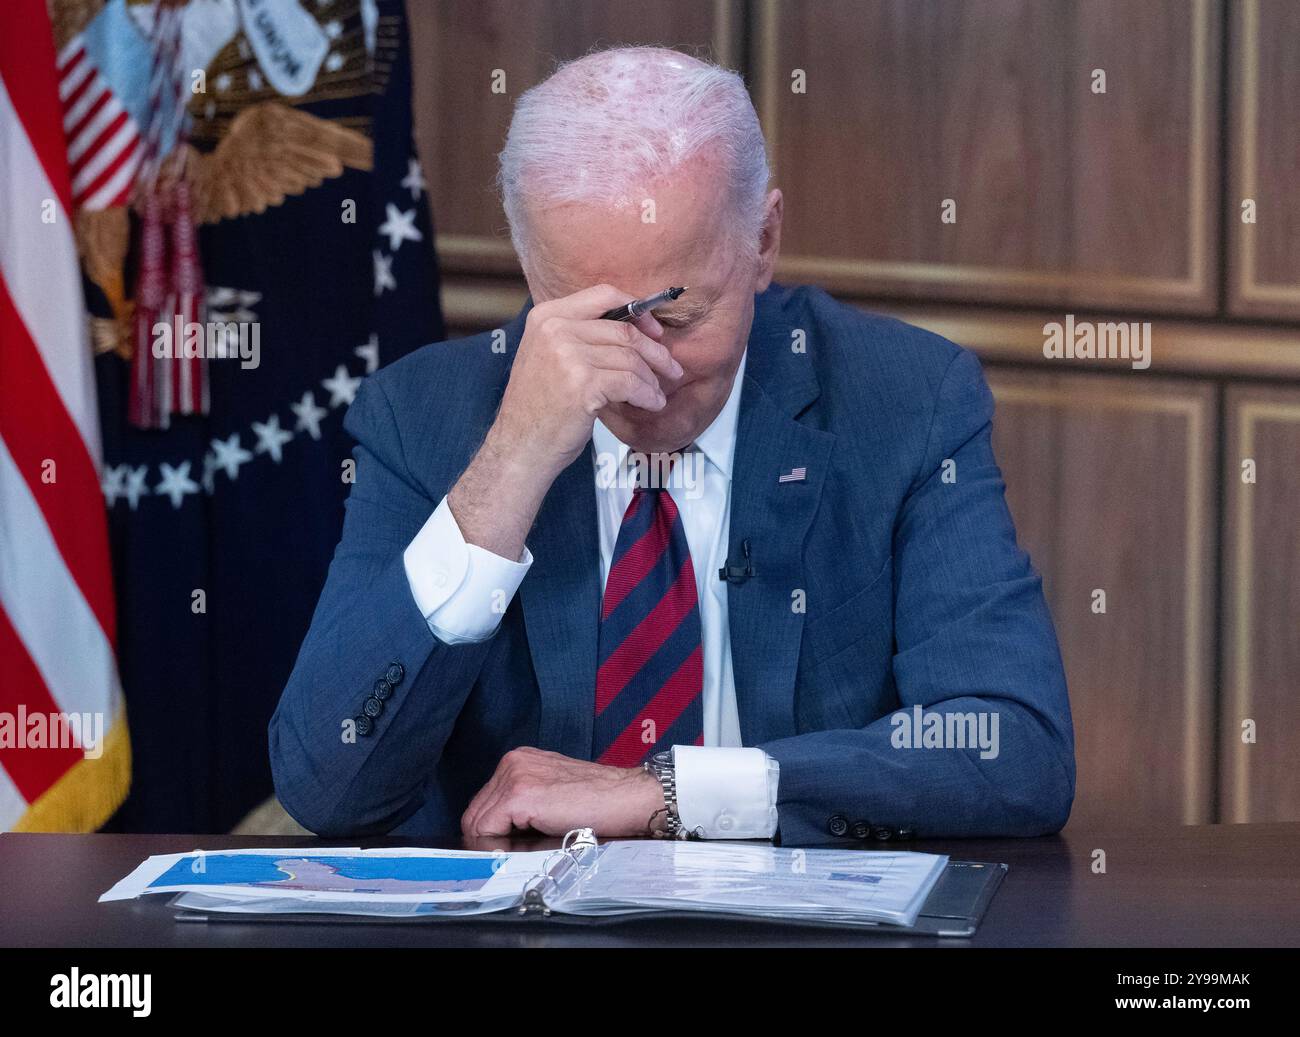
(726, 792)
(462, 590)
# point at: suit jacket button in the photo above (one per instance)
(861, 830)
(882, 834)
(394, 674)
(372, 708)
(382, 690)
(907, 834)
(364, 725)
(838, 824)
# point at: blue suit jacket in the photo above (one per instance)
(915, 593)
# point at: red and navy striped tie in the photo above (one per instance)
(651, 671)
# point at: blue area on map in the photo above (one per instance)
(237, 868)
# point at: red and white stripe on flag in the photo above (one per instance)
(58, 672)
(104, 144)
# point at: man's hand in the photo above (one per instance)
(569, 366)
(551, 793)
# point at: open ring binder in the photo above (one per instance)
(585, 881)
(561, 871)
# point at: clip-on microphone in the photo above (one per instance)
(738, 573)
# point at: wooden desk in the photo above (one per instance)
(1209, 886)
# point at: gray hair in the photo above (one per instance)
(603, 127)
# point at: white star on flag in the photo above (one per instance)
(342, 387)
(383, 273)
(308, 415)
(135, 485)
(230, 455)
(414, 180)
(370, 354)
(176, 482)
(113, 484)
(399, 227)
(271, 437)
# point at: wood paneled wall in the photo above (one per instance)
(1122, 205)
(991, 106)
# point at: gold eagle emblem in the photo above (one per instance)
(269, 152)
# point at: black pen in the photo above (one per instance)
(636, 307)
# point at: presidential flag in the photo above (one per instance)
(315, 256)
(65, 760)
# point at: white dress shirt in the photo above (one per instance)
(724, 791)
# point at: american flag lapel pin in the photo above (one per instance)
(793, 475)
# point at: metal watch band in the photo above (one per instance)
(662, 767)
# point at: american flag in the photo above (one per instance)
(57, 611)
(105, 147)
(793, 475)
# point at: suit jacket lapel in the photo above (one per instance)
(561, 600)
(765, 627)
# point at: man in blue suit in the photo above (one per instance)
(740, 568)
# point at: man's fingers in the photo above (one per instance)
(628, 387)
(475, 822)
(497, 819)
(587, 304)
(648, 324)
(481, 798)
(494, 815)
(616, 358)
(614, 372)
(628, 337)
(654, 353)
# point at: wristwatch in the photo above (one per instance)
(662, 767)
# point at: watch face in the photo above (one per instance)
(663, 759)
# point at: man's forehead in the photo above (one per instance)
(674, 230)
